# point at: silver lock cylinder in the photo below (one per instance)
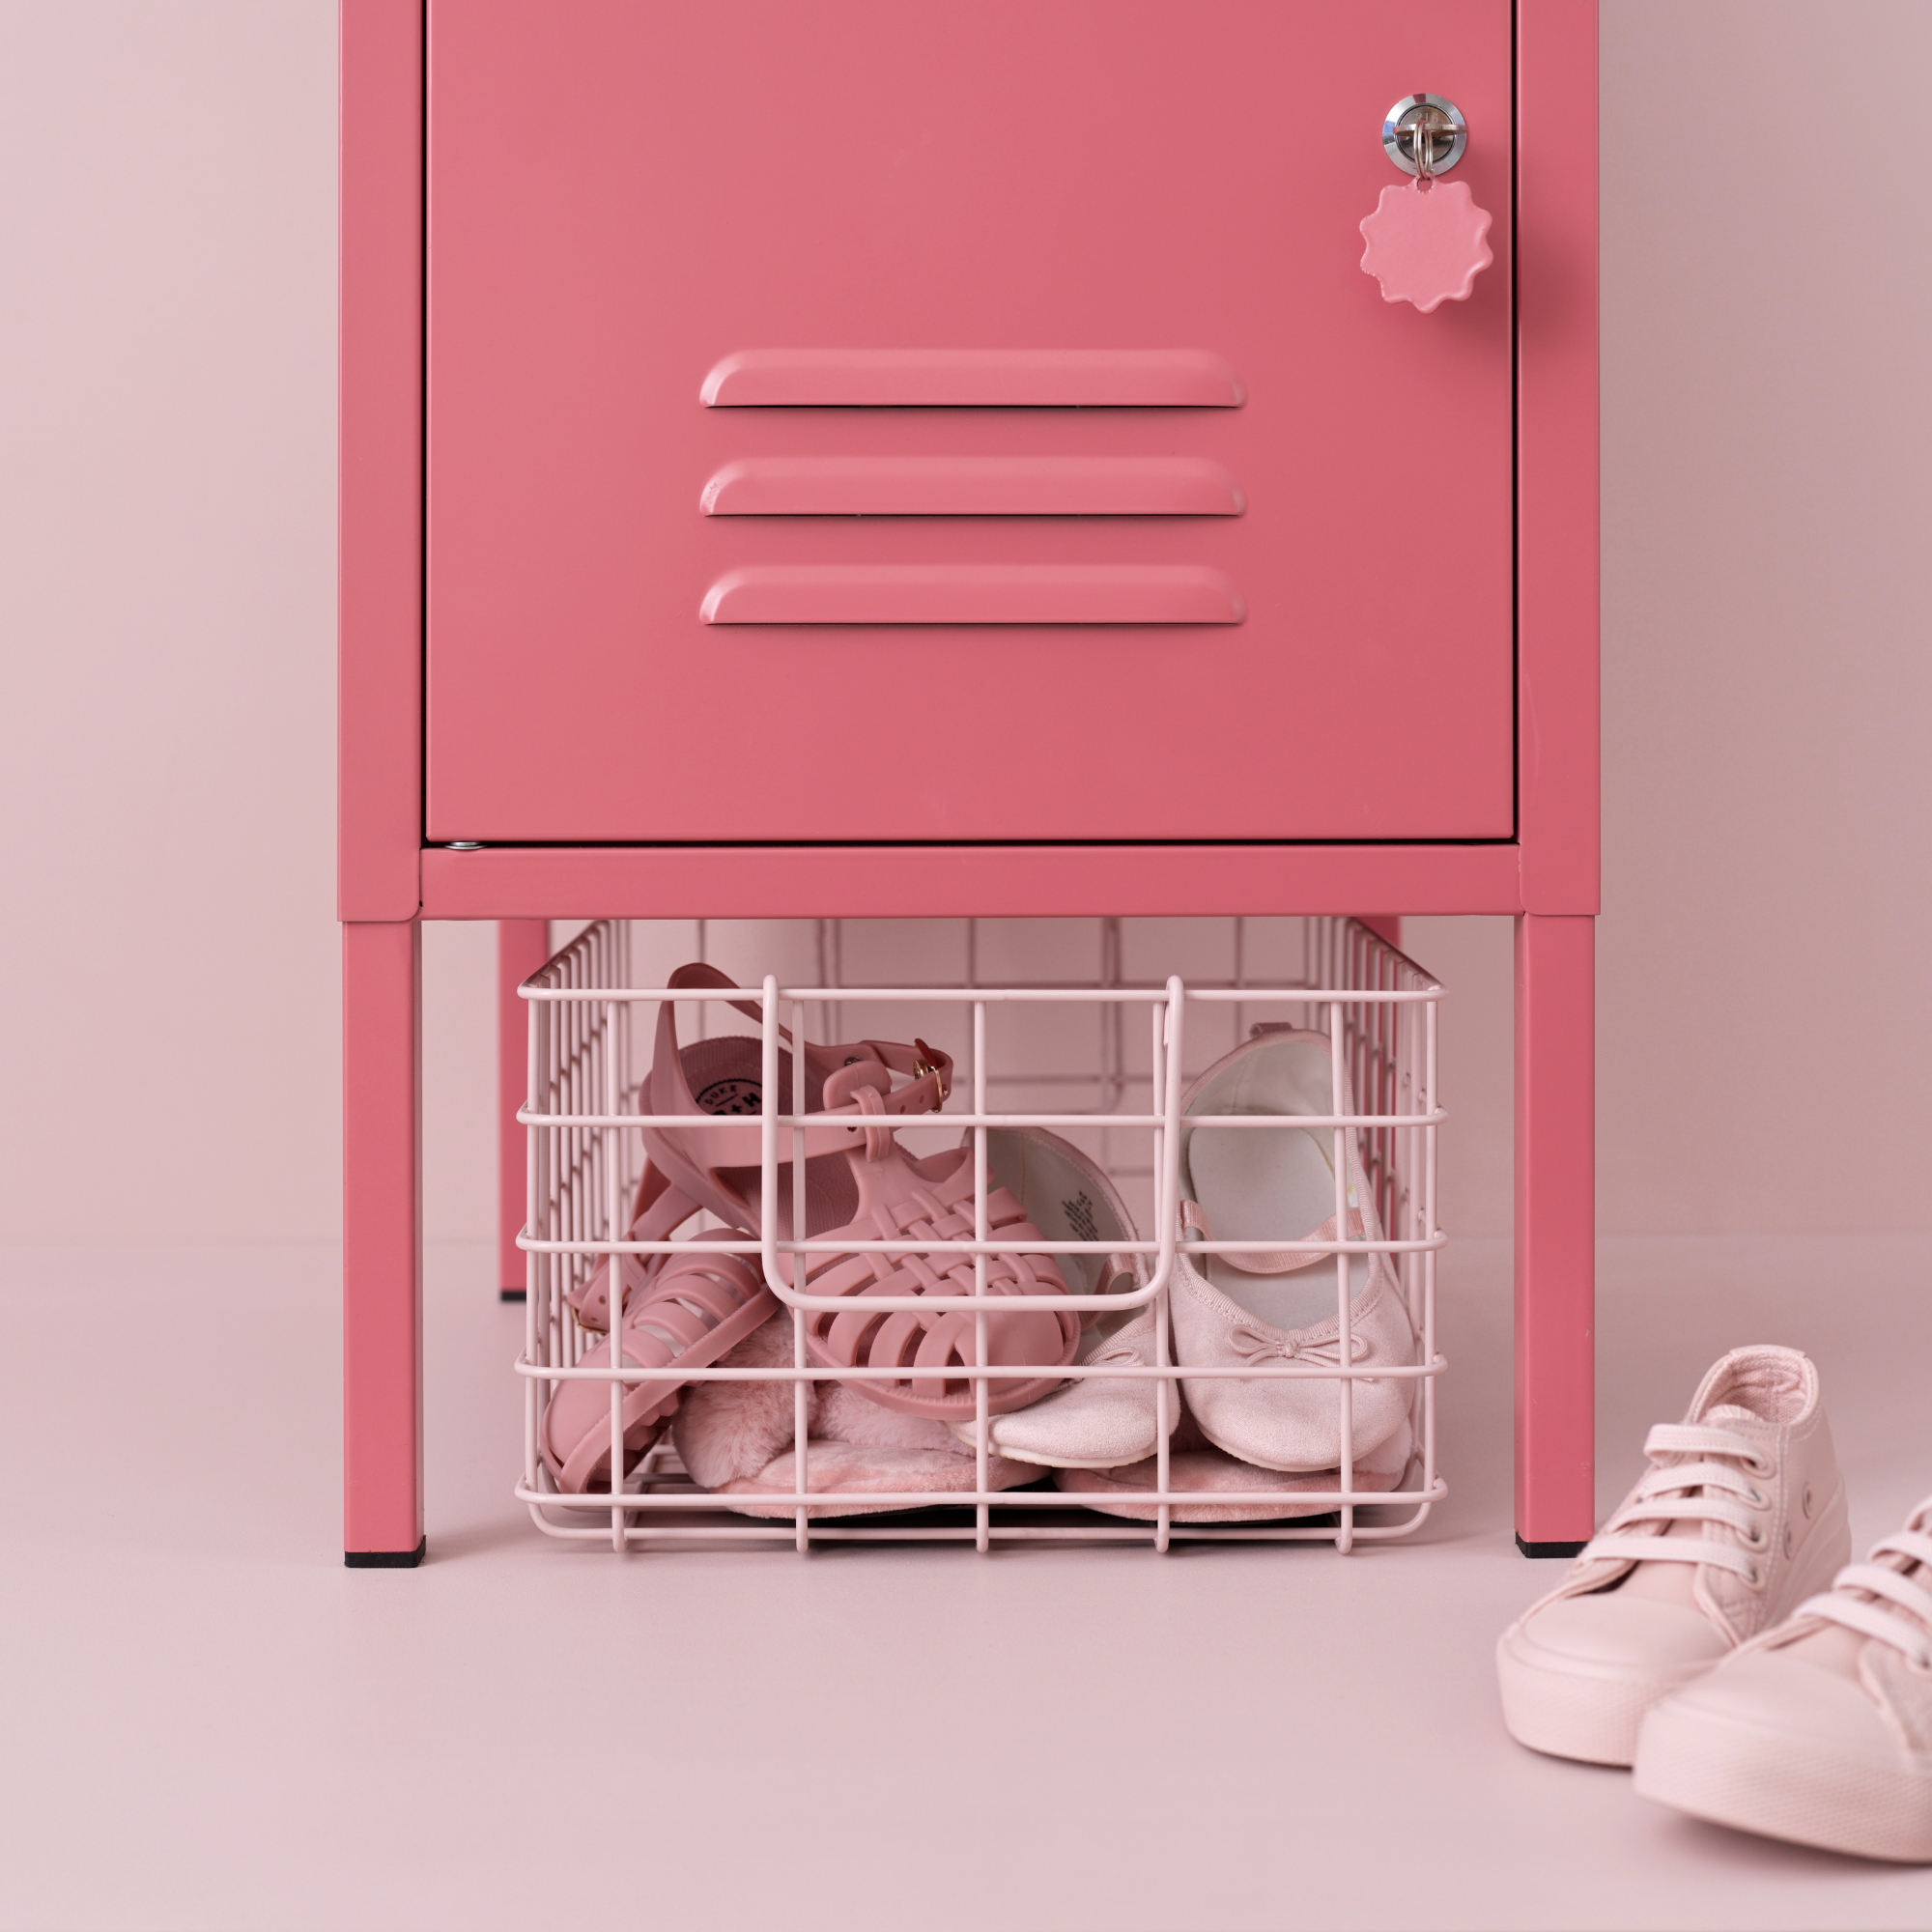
(1423, 133)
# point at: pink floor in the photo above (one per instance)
(210, 1723)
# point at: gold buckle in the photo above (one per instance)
(924, 1062)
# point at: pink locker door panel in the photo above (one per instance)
(855, 419)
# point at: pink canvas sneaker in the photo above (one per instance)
(1819, 1731)
(1740, 1515)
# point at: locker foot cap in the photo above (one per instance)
(1549, 1549)
(385, 1559)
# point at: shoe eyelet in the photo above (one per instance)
(1807, 1502)
(1754, 1538)
(1755, 1577)
(1757, 1499)
(1787, 1540)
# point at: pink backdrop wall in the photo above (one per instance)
(166, 566)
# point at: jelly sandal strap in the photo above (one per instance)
(860, 1335)
(932, 1070)
(695, 1159)
(700, 1305)
(658, 1212)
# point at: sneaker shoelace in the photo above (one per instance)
(1715, 1486)
(1881, 1599)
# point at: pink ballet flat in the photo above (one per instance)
(1208, 1483)
(700, 1306)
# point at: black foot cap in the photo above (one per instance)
(385, 1559)
(515, 1293)
(1547, 1548)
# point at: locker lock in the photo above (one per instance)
(1425, 134)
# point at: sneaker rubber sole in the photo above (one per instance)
(1567, 1710)
(1779, 1785)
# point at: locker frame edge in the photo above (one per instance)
(1548, 878)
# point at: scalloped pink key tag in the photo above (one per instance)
(1427, 243)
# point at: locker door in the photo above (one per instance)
(851, 420)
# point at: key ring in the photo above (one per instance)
(1421, 145)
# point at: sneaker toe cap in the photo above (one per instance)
(1777, 1693)
(1610, 1632)
(1577, 1676)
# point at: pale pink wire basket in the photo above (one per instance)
(585, 1153)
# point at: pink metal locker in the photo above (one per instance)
(877, 458)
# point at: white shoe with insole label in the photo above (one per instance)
(1740, 1515)
(1091, 1424)
(1819, 1731)
(1231, 1311)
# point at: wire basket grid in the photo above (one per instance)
(584, 1118)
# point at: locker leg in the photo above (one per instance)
(522, 945)
(1556, 1233)
(381, 1246)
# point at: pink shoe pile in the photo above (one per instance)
(1099, 1437)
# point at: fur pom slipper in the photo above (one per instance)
(737, 1439)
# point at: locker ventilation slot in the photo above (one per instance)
(974, 593)
(973, 486)
(1016, 485)
(1131, 378)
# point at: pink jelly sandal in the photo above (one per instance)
(690, 1169)
(931, 1200)
(684, 1312)
(717, 1168)
(590, 1300)
(858, 1184)
(700, 1306)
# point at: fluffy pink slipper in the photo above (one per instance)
(737, 1437)
(849, 1469)
(1196, 1466)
